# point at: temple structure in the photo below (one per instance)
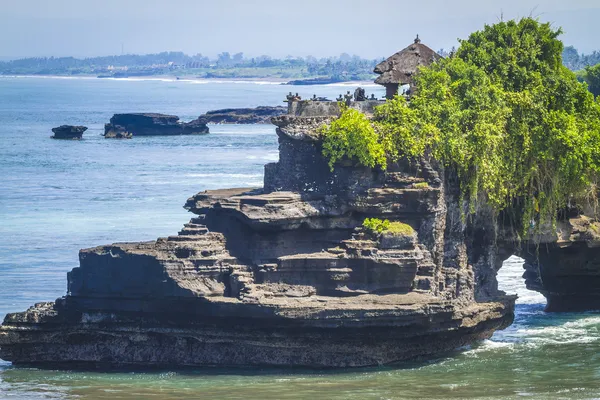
(400, 68)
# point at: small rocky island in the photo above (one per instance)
(68, 132)
(149, 124)
(257, 115)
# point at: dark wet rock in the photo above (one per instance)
(68, 132)
(149, 124)
(258, 115)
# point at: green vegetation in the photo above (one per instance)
(592, 78)
(342, 68)
(420, 185)
(378, 226)
(352, 136)
(504, 114)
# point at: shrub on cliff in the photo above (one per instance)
(378, 226)
(352, 136)
(504, 113)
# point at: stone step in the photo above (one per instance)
(423, 283)
(194, 225)
(205, 262)
(198, 220)
(359, 244)
(186, 238)
(426, 269)
(401, 254)
(190, 231)
(402, 180)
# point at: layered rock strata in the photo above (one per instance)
(148, 124)
(282, 275)
(68, 132)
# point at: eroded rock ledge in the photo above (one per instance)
(282, 275)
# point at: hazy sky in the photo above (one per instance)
(369, 28)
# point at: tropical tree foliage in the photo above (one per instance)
(592, 77)
(352, 136)
(504, 113)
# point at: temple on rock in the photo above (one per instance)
(400, 68)
(288, 274)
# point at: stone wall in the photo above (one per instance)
(312, 108)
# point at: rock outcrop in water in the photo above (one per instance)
(258, 115)
(282, 275)
(68, 132)
(565, 267)
(149, 124)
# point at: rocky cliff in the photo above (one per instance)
(146, 124)
(283, 275)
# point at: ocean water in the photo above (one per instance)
(59, 196)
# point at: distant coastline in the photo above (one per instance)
(191, 79)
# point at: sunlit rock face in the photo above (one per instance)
(283, 275)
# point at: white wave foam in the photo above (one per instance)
(46, 77)
(583, 330)
(489, 345)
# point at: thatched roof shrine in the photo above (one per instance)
(400, 68)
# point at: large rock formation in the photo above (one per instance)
(282, 275)
(258, 115)
(68, 132)
(146, 124)
(565, 266)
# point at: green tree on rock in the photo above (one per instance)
(592, 77)
(503, 113)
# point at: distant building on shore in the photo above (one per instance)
(400, 68)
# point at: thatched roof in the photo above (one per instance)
(401, 67)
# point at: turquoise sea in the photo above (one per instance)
(59, 196)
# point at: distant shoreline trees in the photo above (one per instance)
(344, 67)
